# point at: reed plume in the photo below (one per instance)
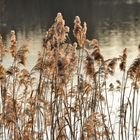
(93, 126)
(57, 34)
(2, 73)
(123, 60)
(89, 66)
(112, 65)
(134, 70)
(21, 56)
(13, 41)
(80, 31)
(93, 49)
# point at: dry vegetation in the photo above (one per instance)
(68, 94)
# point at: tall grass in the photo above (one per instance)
(69, 94)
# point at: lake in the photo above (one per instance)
(115, 25)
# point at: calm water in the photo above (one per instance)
(116, 26)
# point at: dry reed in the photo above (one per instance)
(66, 95)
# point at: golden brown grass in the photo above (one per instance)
(66, 95)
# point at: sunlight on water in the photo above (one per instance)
(115, 26)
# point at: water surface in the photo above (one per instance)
(116, 26)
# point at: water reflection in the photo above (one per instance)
(121, 30)
(116, 26)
